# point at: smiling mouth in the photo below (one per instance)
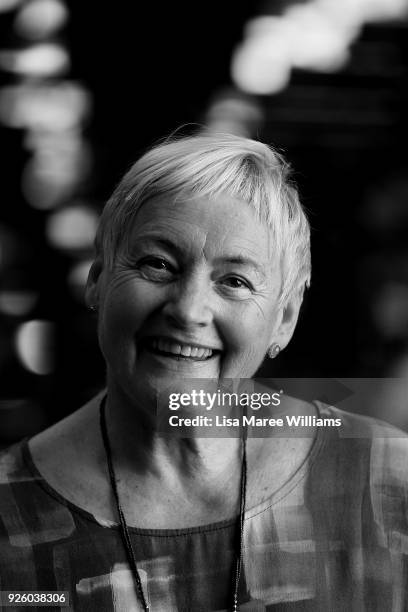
(180, 351)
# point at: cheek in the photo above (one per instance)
(123, 314)
(246, 347)
(249, 330)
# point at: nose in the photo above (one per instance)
(189, 303)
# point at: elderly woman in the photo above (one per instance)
(202, 257)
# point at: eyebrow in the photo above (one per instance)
(159, 240)
(239, 260)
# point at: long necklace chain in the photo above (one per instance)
(125, 531)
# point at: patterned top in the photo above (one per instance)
(333, 538)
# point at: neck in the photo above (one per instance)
(203, 469)
(138, 448)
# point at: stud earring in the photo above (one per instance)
(274, 350)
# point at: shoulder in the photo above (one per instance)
(387, 444)
(359, 426)
(69, 457)
(375, 454)
(12, 467)
(68, 441)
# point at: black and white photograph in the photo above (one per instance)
(204, 306)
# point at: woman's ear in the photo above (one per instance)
(288, 318)
(93, 284)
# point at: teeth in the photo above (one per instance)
(186, 350)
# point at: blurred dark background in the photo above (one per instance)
(86, 88)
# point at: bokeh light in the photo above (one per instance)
(381, 10)
(231, 112)
(50, 107)
(314, 35)
(57, 167)
(17, 303)
(42, 60)
(35, 346)
(317, 41)
(261, 65)
(40, 18)
(72, 228)
(8, 5)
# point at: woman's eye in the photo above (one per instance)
(157, 264)
(157, 267)
(235, 282)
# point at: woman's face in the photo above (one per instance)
(193, 294)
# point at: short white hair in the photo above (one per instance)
(207, 165)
